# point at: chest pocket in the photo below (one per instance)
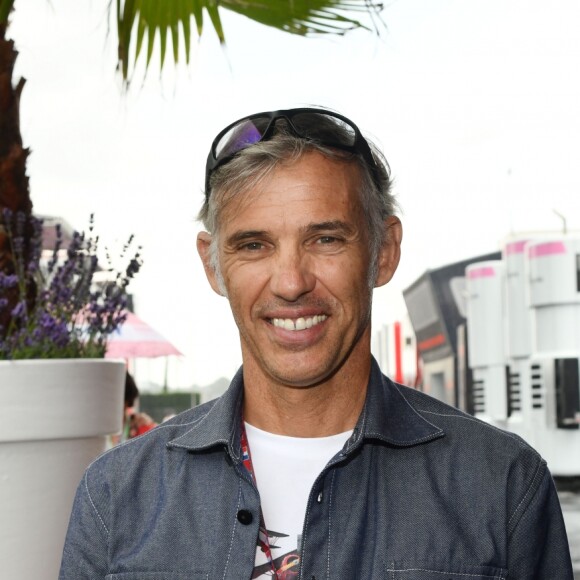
(395, 572)
(158, 576)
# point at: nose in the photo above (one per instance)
(292, 274)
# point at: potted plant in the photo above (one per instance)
(59, 397)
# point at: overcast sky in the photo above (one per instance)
(475, 103)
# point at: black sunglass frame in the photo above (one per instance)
(360, 144)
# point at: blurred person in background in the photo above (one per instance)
(134, 422)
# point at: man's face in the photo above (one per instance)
(294, 256)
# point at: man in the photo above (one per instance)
(312, 465)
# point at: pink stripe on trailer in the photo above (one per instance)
(515, 247)
(546, 249)
(484, 272)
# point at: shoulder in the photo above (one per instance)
(475, 448)
(147, 449)
(458, 424)
(494, 462)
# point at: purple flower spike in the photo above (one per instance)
(19, 310)
(61, 312)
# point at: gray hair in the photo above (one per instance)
(253, 164)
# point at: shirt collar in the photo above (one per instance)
(220, 425)
(387, 416)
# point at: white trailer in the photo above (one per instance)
(523, 321)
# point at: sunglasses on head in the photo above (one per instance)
(317, 125)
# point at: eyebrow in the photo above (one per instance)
(242, 235)
(329, 226)
(332, 226)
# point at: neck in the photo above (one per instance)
(324, 409)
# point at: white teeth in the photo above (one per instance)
(300, 323)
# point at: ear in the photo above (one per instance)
(390, 252)
(203, 249)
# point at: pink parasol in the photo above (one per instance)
(136, 339)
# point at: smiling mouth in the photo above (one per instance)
(301, 323)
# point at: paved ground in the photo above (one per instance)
(570, 501)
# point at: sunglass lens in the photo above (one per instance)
(322, 127)
(240, 136)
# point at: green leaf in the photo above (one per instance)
(214, 16)
(163, 19)
(175, 42)
(179, 13)
(302, 17)
(5, 8)
(125, 19)
(141, 27)
(186, 26)
(196, 9)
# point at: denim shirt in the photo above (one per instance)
(420, 491)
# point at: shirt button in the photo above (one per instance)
(319, 498)
(245, 517)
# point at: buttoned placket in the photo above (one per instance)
(245, 526)
(320, 508)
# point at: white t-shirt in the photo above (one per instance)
(285, 469)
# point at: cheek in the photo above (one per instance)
(346, 279)
(244, 286)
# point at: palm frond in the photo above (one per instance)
(305, 17)
(5, 8)
(155, 18)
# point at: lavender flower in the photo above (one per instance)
(60, 312)
(19, 311)
(8, 280)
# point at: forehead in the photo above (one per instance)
(314, 187)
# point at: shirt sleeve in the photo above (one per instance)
(85, 549)
(537, 544)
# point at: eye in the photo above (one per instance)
(252, 246)
(325, 240)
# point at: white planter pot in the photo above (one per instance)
(55, 416)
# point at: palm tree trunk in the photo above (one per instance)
(14, 191)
